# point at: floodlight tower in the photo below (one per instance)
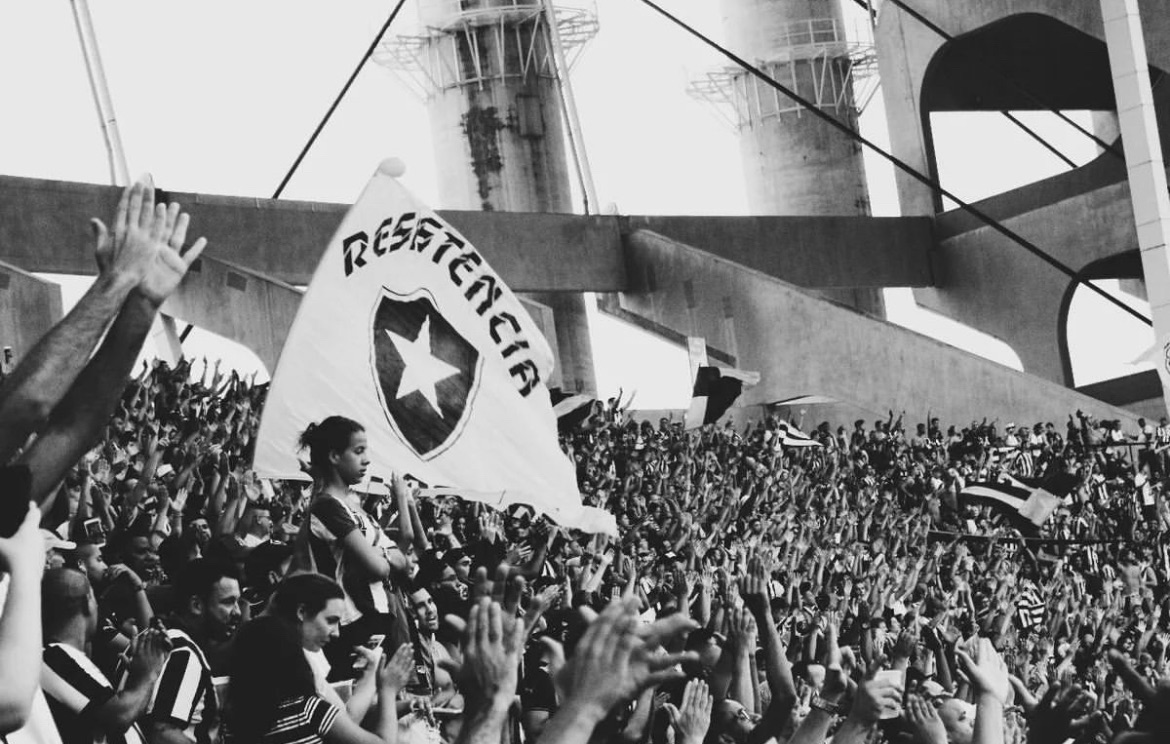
(488, 71)
(794, 163)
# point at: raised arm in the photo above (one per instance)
(37, 385)
(22, 557)
(154, 234)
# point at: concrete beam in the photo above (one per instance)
(988, 282)
(805, 346)
(29, 307)
(239, 304)
(533, 252)
(813, 252)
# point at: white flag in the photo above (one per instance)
(408, 331)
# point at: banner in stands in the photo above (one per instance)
(406, 329)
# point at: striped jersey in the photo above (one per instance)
(303, 720)
(184, 693)
(331, 520)
(75, 688)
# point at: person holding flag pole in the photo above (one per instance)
(407, 328)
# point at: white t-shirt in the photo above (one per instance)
(40, 727)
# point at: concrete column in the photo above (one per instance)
(29, 307)
(794, 163)
(500, 136)
(1145, 167)
(574, 349)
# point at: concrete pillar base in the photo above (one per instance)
(573, 346)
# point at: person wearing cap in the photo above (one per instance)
(56, 548)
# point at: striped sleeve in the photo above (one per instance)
(71, 680)
(323, 715)
(178, 689)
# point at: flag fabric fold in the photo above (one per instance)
(571, 410)
(1029, 506)
(714, 392)
(790, 436)
(406, 329)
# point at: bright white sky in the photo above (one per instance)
(219, 97)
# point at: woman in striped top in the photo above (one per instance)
(272, 698)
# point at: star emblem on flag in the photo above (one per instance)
(427, 373)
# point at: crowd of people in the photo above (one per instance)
(154, 589)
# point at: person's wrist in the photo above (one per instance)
(985, 698)
(586, 711)
(116, 280)
(827, 702)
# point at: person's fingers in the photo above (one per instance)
(658, 632)
(100, 234)
(597, 635)
(661, 678)
(965, 660)
(662, 661)
(191, 255)
(617, 645)
(673, 714)
(123, 209)
(178, 233)
(514, 639)
(404, 657)
(146, 209)
(495, 618)
(499, 585)
(158, 224)
(587, 613)
(706, 700)
(913, 711)
(513, 593)
(450, 666)
(133, 212)
(536, 607)
(476, 633)
(173, 211)
(456, 622)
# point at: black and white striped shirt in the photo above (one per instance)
(75, 689)
(184, 694)
(303, 720)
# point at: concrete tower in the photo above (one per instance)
(488, 72)
(794, 163)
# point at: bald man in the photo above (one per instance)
(84, 704)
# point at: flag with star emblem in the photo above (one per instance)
(406, 329)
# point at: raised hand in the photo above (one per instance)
(836, 675)
(923, 718)
(905, 645)
(612, 664)
(146, 248)
(394, 672)
(754, 588)
(149, 651)
(987, 671)
(491, 654)
(693, 718)
(874, 699)
(742, 629)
